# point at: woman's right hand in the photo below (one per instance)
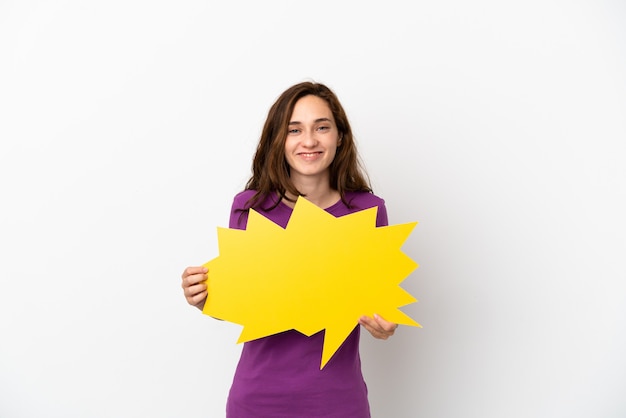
(194, 286)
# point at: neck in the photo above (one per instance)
(317, 191)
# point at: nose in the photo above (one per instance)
(309, 139)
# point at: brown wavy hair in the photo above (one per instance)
(270, 171)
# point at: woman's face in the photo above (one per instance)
(312, 140)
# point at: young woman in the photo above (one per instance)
(306, 149)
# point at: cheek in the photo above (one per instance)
(286, 149)
(334, 152)
(288, 159)
(289, 145)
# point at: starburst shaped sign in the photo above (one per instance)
(318, 273)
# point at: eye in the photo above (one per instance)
(323, 128)
(293, 131)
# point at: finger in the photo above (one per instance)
(194, 290)
(385, 325)
(367, 321)
(378, 327)
(194, 270)
(376, 324)
(194, 279)
(198, 302)
(373, 327)
(376, 333)
(198, 298)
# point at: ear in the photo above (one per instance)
(339, 140)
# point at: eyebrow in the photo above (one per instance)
(295, 122)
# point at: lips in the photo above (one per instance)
(310, 156)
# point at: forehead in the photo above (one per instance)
(310, 108)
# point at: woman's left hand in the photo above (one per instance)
(378, 327)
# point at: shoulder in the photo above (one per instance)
(241, 198)
(364, 200)
(239, 209)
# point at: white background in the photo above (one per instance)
(127, 127)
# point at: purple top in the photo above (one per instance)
(279, 376)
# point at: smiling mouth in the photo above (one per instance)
(309, 154)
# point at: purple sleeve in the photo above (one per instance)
(238, 217)
(381, 215)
